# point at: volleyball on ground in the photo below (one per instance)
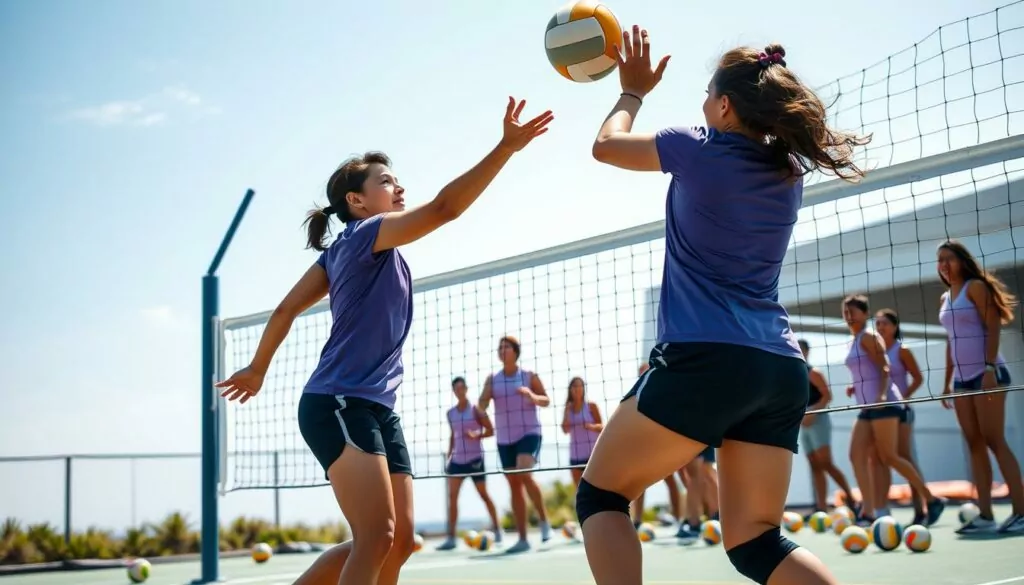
(886, 533)
(580, 40)
(138, 570)
(840, 523)
(570, 529)
(645, 532)
(262, 552)
(969, 511)
(417, 542)
(854, 539)
(792, 521)
(820, 521)
(917, 538)
(711, 532)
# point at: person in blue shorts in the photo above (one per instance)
(726, 370)
(346, 411)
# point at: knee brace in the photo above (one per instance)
(591, 500)
(757, 559)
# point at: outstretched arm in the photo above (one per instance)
(404, 227)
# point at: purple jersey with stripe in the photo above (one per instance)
(729, 217)
(966, 333)
(515, 415)
(581, 439)
(464, 449)
(371, 311)
(867, 377)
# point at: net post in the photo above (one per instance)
(67, 500)
(209, 413)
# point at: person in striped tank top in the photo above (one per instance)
(517, 394)
(469, 426)
(582, 422)
(972, 310)
(902, 365)
(877, 427)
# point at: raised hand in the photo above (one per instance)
(634, 59)
(517, 135)
(243, 384)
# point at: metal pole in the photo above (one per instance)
(209, 535)
(277, 493)
(67, 500)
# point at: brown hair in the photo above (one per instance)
(971, 270)
(513, 342)
(857, 301)
(568, 390)
(891, 316)
(349, 177)
(769, 99)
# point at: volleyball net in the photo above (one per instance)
(947, 161)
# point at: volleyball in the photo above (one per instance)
(580, 40)
(792, 521)
(417, 542)
(262, 552)
(138, 570)
(470, 538)
(645, 532)
(570, 529)
(484, 540)
(854, 539)
(711, 532)
(917, 538)
(969, 511)
(840, 523)
(886, 533)
(820, 521)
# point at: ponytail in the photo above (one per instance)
(318, 227)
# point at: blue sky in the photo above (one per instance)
(131, 130)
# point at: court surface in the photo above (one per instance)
(951, 561)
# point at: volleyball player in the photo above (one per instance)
(517, 394)
(349, 399)
(582, 422)
(469, 425)
(902, 365)
(973, 308)
(877, 427)
(726, 371)
(816, 438)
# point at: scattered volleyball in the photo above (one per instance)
(917, 538)
(580, 40)
(138, 570)
(886, 533)
(820, 522)
(840, 523)
(262, 552)
(645, 532)
(854, 539)
(792, 521)
(968, 511)
(711, 532)
(470, 537)
(570, 530)
(417, 542)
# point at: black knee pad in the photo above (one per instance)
(591, 500)
(757, 559)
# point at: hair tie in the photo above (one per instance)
(328, 210)
(765, 59)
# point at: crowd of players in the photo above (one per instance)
(885, 375)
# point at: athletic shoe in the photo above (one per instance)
(448, 544)
(1013, 525)
(978, 525)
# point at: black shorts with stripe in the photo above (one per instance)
(330, 424)
(709, 392)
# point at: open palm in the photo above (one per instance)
(634, 60)
(516, 134)
(242, 385)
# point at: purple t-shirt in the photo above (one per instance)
(729, 218)
(371, 308)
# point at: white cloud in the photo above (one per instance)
(150, 110)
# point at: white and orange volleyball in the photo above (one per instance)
(580, 40)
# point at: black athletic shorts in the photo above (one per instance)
(880, 412)
(714, 391)
(527, 445)
(708, 454)
(330, 424)
(473, 469)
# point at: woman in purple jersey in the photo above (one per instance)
(469, 425)
(973, 309)
(726, 370)
(876, 431)
(906, 374)
(349, 399)
(582, 422)
(517, 394)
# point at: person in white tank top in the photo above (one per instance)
(973, 309)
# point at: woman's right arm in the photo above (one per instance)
(404, 227)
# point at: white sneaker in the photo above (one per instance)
(545, 531)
